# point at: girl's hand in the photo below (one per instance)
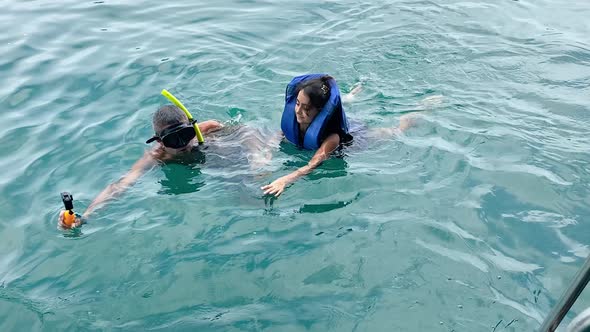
(277, 187)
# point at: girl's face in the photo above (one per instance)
(304, 111)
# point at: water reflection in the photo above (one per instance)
(183, 175)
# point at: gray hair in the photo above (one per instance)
(166, 116)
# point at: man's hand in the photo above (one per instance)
(62, 225)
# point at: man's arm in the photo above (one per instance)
(141, 166)
(209, 126)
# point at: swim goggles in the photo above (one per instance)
(176, 136)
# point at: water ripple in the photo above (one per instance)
(486, 196)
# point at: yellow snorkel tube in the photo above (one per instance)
(176, 102)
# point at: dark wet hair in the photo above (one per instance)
(318, 91)
(166, 116)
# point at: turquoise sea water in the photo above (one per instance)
(474, 220)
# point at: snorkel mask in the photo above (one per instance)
(175, 137)
(178, 136)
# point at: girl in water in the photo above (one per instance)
(313, 119)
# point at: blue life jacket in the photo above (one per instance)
(314, 135)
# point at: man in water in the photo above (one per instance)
(175, 137)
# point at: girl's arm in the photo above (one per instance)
(278, 186)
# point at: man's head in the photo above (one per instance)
(173, 129)
(168, 116)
